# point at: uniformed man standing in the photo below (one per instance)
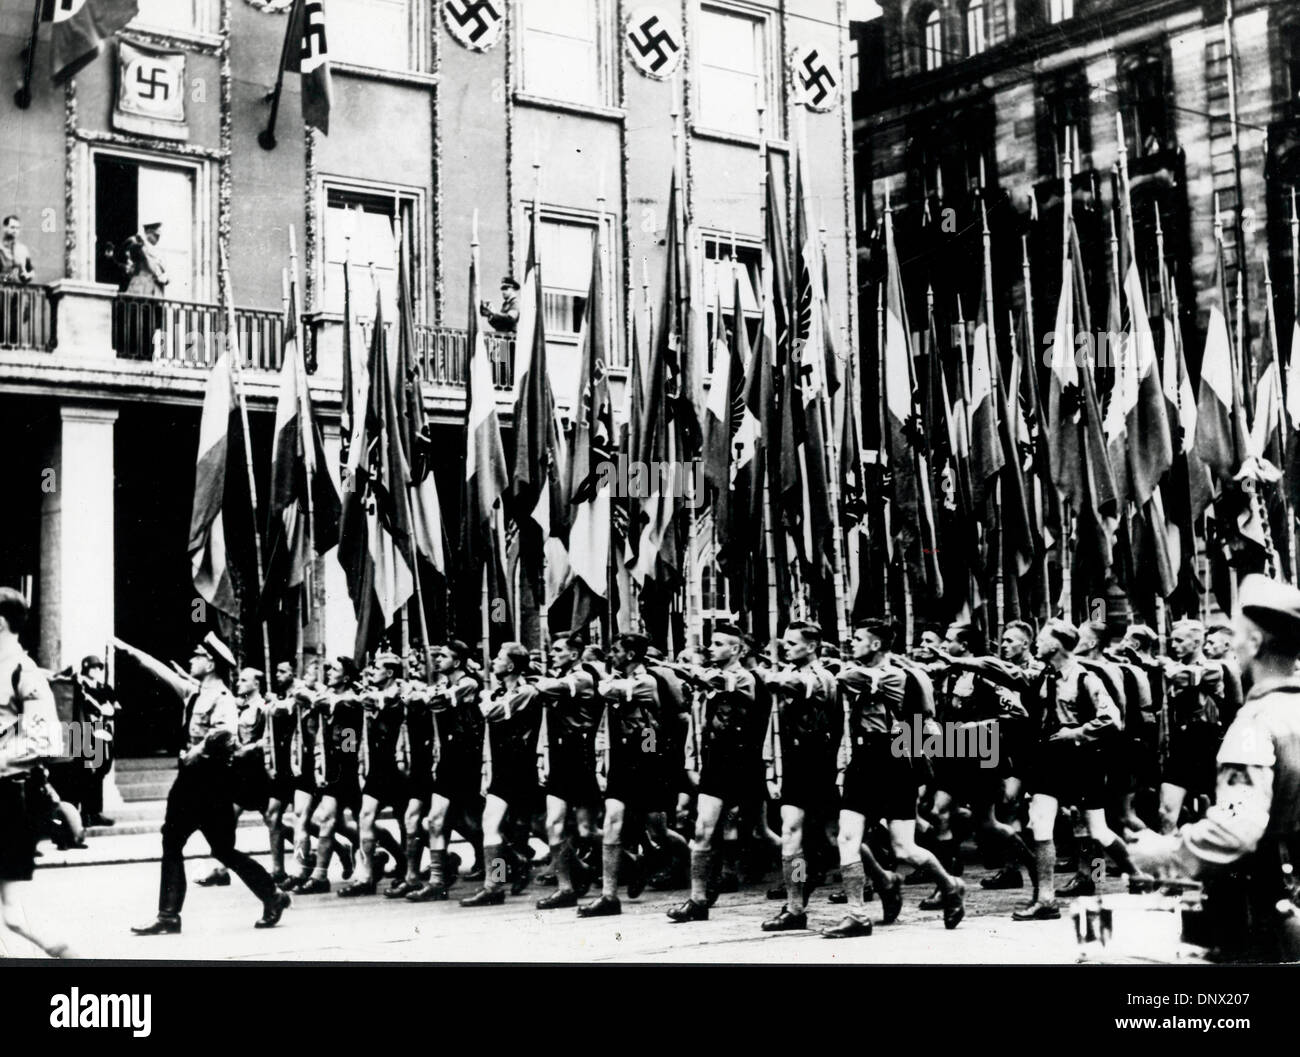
(725, 751)
(203, 796)
(1251, 834)
(506, 319)
(29, 732)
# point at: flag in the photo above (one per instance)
(297, 465)
(428, 531)
(904, 445)
(987, 454)
(220, 492)
(486, 478)
(588, 487)
(348, 397)
(1220, 434)
(307, 52)
(729, 452)
(1019, 541)
(374, 526)
(855, 510)
(1150, 453)
(80, 27)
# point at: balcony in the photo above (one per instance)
(25, 318)
(85, 336)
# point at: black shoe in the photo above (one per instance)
(475, 876)
(357, 888)
(546, 880)
(954, 904)
(604, 907)
(451, 868)
(847, 929)
(558, 900)
(636, 877)
(161, 927)
(347, 859)
(401, 889)
(838, 898)
(427, 893)
(728, 882)
(786, 921)
(689, 911)
(777, 893)
(81, 845)
(891, 901)
(216, 879)
(1004, 880)
(98, 820)
(663, 881)
(377, 868)
(1077, 886)
(313, 886)
(291, 884)
(1037, 911)
(934, 901)
(485, 897)
(279, 879)
(521, 875)
(273, 911)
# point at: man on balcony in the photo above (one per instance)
(506, 320)
(147, 275)
(16, 267)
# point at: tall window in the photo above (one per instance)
(382, 34)
(561, 52)
(733, 66)
(360, 225)
(855, 62)
(1059, 10)
(932, 52)
(1291, 54)
(130, 194)
(720, 286)
(1146, 118)
(976, 41)
(1065, 121)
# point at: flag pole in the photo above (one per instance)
(882, 451)
(769, 536)
(1031, 364)
(1288, 375)
(1280, 412)
(999, 574)
(1066, 603)
(266, 138)
(299, 635)
(23, 97)
(238, 369)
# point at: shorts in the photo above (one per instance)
(460, 774)
(514, 780)
(1193, 758)
(636, 778)
(808, 778)
(1071, 773)
(386, 786)
(572, 776)
(419, 783)
(726, 772)
(17, 832)
(878, 782)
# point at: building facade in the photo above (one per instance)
(442, 112)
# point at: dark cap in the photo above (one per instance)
(509, 280)
(1274, 606)
(91, 661)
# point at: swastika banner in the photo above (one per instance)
(475, 24)
(654, 42)
(150, 92)
(815, 73)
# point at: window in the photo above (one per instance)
(975, 39)
(130, 194)
(1059, 10)
(176, 16)
(733, 78)
(360, 223)
(932, 53)
(855, 63)
(1146, 119)
(720, 286)
(1065, 120)
(562, 50)
(565, 244)
(1291, 55)
(381, 34)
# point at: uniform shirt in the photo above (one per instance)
(873, 698)
(1112, 678)
(633, 702)
(730, 696)
(211, 708)
(1258, 792)
(808, 699)
(1071, 698)
(455, 702)
(15, 263)
(382, 716)
(278, 736)
(572, 705)
(1194, 691)
(29, 721)
(966, 696)
(252, 719)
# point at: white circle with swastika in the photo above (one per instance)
(152, 86)
(653, 40)
(65, 9)
(475, 24)
(815, 74)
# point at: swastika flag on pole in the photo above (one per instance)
(308, 54)
(80, 27)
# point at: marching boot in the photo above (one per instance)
(163, 926)
(608, 904)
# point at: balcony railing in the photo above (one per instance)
(441, 353)
(194, 335)
(24, 317)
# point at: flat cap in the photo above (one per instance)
(1270, 604)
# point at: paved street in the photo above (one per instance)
(97, 904)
